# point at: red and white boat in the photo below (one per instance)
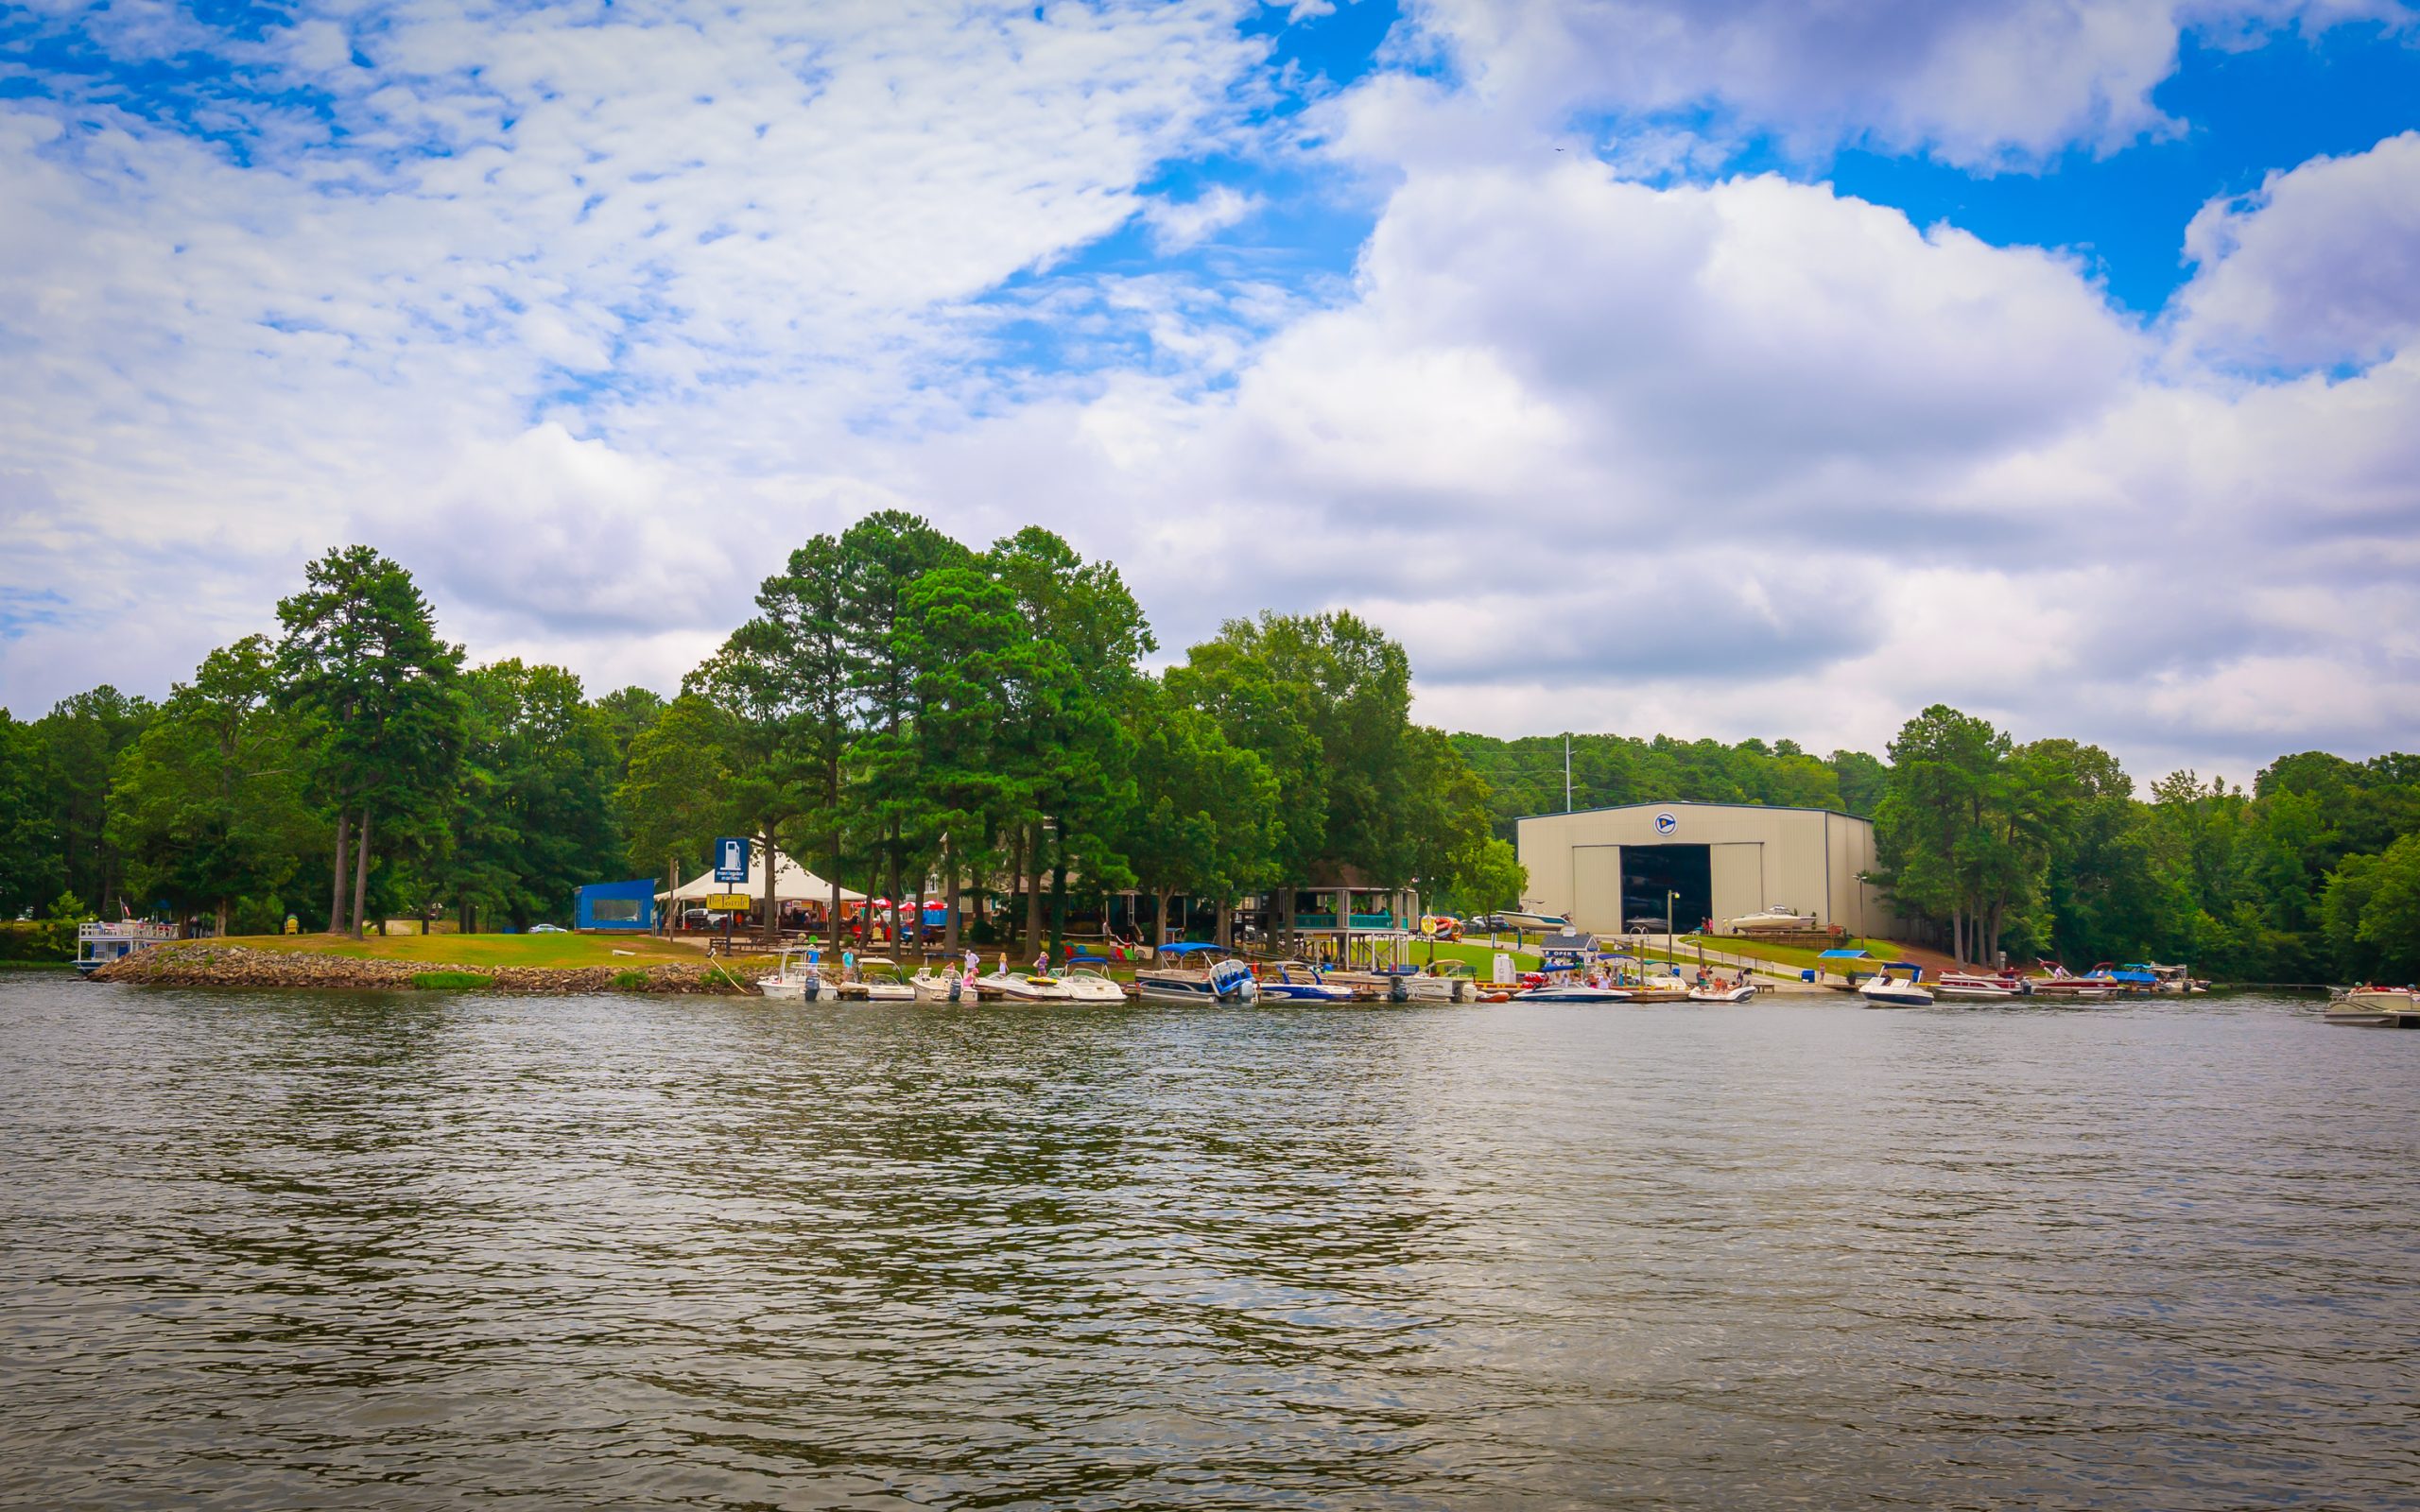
(1979, 987)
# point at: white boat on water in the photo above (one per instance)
(1718, 993)
(1572, 992)
(1086, 985)
(2377, 1008)
(792, 981)
(1880, 991)
(1293, 982)
(1027, 987)
(942, 986)
(1975, 988)
(879, 980)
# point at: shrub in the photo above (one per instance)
(629, 981)
(449, 981)
(40, 939)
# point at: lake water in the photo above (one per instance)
(392, 1250)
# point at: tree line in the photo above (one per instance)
(900, 706)
(2043, 850)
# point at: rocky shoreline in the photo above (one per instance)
(203, 963)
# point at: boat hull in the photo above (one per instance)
(1170, 987)
(1572, 994)
(1303, 992)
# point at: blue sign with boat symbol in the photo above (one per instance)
(731, 859)
(1665, 824)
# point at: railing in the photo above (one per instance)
(141, 929)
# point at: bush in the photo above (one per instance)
(629, 981)
(449, 981)
(40, 939)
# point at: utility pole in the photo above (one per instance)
(1566, 771)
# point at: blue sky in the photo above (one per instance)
(2055, 359)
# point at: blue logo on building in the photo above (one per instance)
(1665, 824)
(731, 859)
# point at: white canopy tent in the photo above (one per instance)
(792, 882)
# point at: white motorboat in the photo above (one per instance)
(2377, 1008)
(1964, 985)
(1880, 991)
(1718, 993)
(1085, 985)
(793, 982)
(1514, 919)
(942, 986)
(1772, 920)
(879, 980)
(1571, 992)
(1027, 987)
(1293, 982)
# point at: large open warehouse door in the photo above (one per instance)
(1651, 871)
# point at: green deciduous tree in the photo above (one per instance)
(32, 869)
(81, 740)
(533, 817)
(209, 804)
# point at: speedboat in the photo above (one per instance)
(1027, 987)
(1773, 919)
(1966, 985)
(1293, 982)
(879, 981)
(1516, 919)
(792, 982)
(2377, 1008)
(1086, 985)
(942, 986)
(1571, 992)
(1718, 993)
(1175, 978)
(1879, 991)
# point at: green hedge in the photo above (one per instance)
(43, 939)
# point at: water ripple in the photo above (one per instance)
(384, 1251)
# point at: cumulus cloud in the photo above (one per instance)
(2319, 266)
(1983, 83)
(590, 317)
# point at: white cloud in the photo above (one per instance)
(1724, 458)
(1178, 224)
(2320, 266)
(1983, 82)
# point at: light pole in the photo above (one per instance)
(1672, 953)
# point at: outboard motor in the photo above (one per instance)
(1399, 989)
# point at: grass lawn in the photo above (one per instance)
(487, 950)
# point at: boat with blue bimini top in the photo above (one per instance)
(1881, 990)
(1293, 982)
(1192, 973)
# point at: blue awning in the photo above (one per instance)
(1187, 948)
(1839, 955)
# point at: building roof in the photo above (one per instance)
(1694, 803)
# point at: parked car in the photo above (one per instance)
(548, 929)
(1484, 923)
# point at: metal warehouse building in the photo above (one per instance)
(1603, 868)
